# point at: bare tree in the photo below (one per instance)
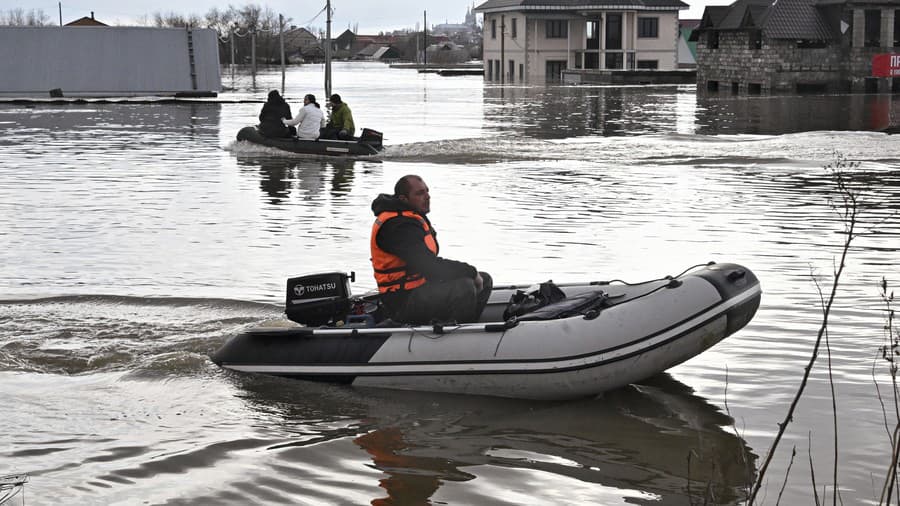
(174, 20)
(21, 17)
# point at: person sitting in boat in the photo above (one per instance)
(309, 121)
(416, 285)
(270, 124)
(340, 122)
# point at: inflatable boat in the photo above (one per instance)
(593, 337)
(369, 143)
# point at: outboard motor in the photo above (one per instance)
(371, 137)
(318, 299)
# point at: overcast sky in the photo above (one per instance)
(371, 16)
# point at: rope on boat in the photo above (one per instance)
(689, 269)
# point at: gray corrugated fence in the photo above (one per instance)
(108, 61)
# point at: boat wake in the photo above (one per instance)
(657, 149)
(101, 333)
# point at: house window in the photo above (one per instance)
(490, 70)
(554, 69)
(648, 28)
(871, 85)
(712, 85)
(557, 29)
(755, 39)
(648, 64)
(512, 70)
(811, 88)
(873, 28)
(754, 89)
(896, 31)
(521, 71)
(513, 31)
(493, 28)
(811, 44)
(613, 32)
(712, 40)
(615, 61)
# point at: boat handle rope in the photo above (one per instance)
(626, 283)
(439, 329)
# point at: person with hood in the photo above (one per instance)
(417, 286)
(309, 120)
(340, 122)
(275, 108)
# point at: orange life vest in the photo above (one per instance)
(390, 270)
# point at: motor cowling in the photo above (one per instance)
(371, 137)
(318, 299)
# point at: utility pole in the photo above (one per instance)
(328, 50)
(60, 13)
(425, 41)
(253, 55)
(502, 48)
(281, 43)
(233, 29)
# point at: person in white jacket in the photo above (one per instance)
(309, 120)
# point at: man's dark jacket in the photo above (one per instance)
(405, 237)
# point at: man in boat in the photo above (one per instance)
(340, 122)
(417, 286)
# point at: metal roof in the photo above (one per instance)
(778, 19)
(796, 19)
(579, 5)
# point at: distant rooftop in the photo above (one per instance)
(512, 5)
(86, 21)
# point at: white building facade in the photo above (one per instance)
(535, 40)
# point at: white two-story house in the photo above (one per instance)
(535, 40)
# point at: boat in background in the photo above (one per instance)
(369, 143)
(600, 336)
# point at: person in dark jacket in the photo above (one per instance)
(270, 124)
(416, 284)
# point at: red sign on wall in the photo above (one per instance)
(886, 65)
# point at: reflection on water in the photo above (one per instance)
(557, 112)
(117, 125)
(280, 176)
(718, 114)
(560, 111)
(653, 443)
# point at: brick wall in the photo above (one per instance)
(777, 67)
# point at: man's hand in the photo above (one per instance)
(479, 283)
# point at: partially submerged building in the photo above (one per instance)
(446, 52)
(106, 61)
(766, 46)
(301, 44)
(377, 52)
(536, 40)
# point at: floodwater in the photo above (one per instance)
(138, 236)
